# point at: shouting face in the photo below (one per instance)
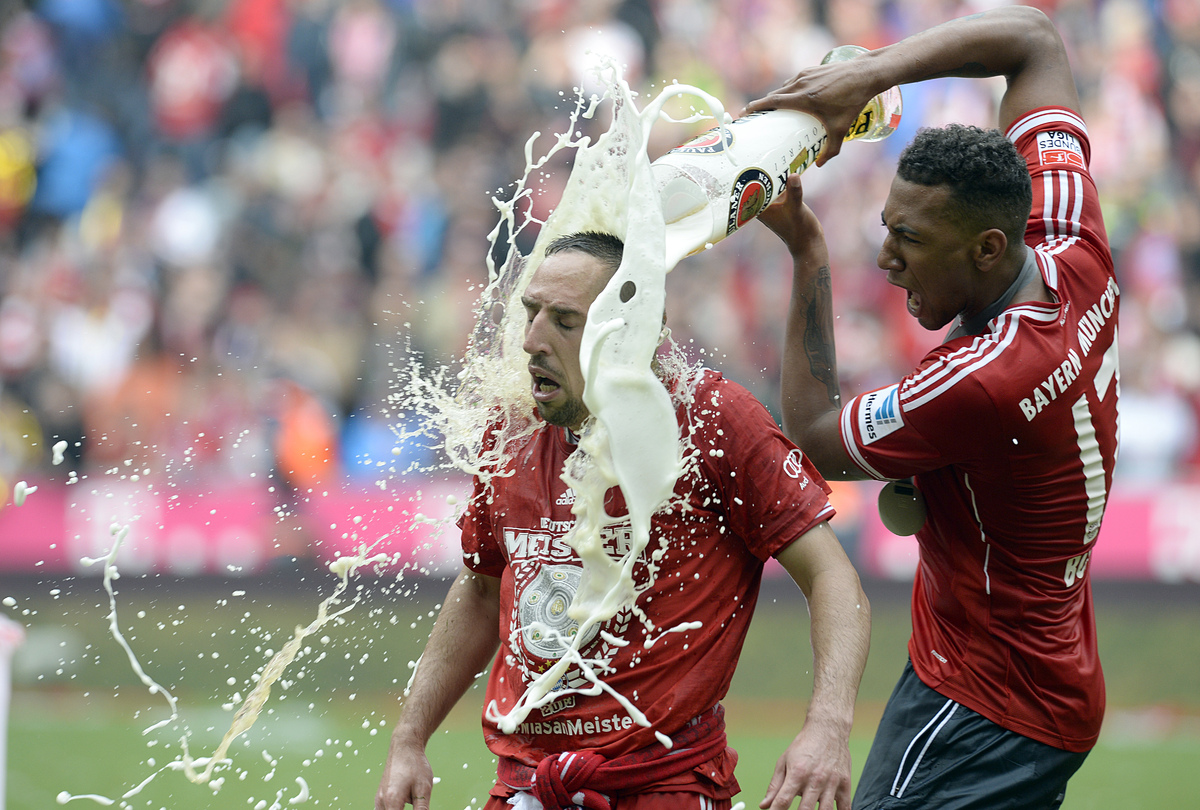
(556, 304)
(926, 253)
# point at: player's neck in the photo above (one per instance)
(1026, 286)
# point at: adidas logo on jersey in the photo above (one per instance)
(567, 498)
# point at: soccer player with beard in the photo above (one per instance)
(748, 495)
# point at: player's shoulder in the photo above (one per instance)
(968, 371)
(719, 410)
(507, 444)
(714, 392)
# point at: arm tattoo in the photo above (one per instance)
(818, 335)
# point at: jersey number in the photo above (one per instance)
(1107, 378)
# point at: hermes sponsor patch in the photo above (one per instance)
(879, 414)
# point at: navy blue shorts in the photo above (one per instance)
(930, 752)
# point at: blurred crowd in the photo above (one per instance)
(227, 226)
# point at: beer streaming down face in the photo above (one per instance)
(632, 439)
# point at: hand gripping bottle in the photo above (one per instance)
(720, 180)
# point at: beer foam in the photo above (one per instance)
(631, 439)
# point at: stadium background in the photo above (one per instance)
(227, 227)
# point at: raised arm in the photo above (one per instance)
(810, 395)
(816, 766)
(464, 639)
(1017, 42)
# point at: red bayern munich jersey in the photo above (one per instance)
(749, 493)
(1012, 436)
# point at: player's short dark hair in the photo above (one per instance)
(604, 246)
(988, 180)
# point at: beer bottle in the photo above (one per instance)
(718, 181)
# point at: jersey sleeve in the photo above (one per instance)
(1066, 214)
(483, 551)
(926, 421)
(480, 548)
(770, 491)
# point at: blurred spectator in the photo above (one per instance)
(190, 72)
(75, 148)
(18, 177)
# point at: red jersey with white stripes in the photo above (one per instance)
(1011, 436)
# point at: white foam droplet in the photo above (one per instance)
(64, 797)
(302, 796)
(20, 491)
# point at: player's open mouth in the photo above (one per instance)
(914, 303)
(544, 388)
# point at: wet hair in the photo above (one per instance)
(604, 246)
(988, 180)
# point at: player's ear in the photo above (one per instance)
(989, 249)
